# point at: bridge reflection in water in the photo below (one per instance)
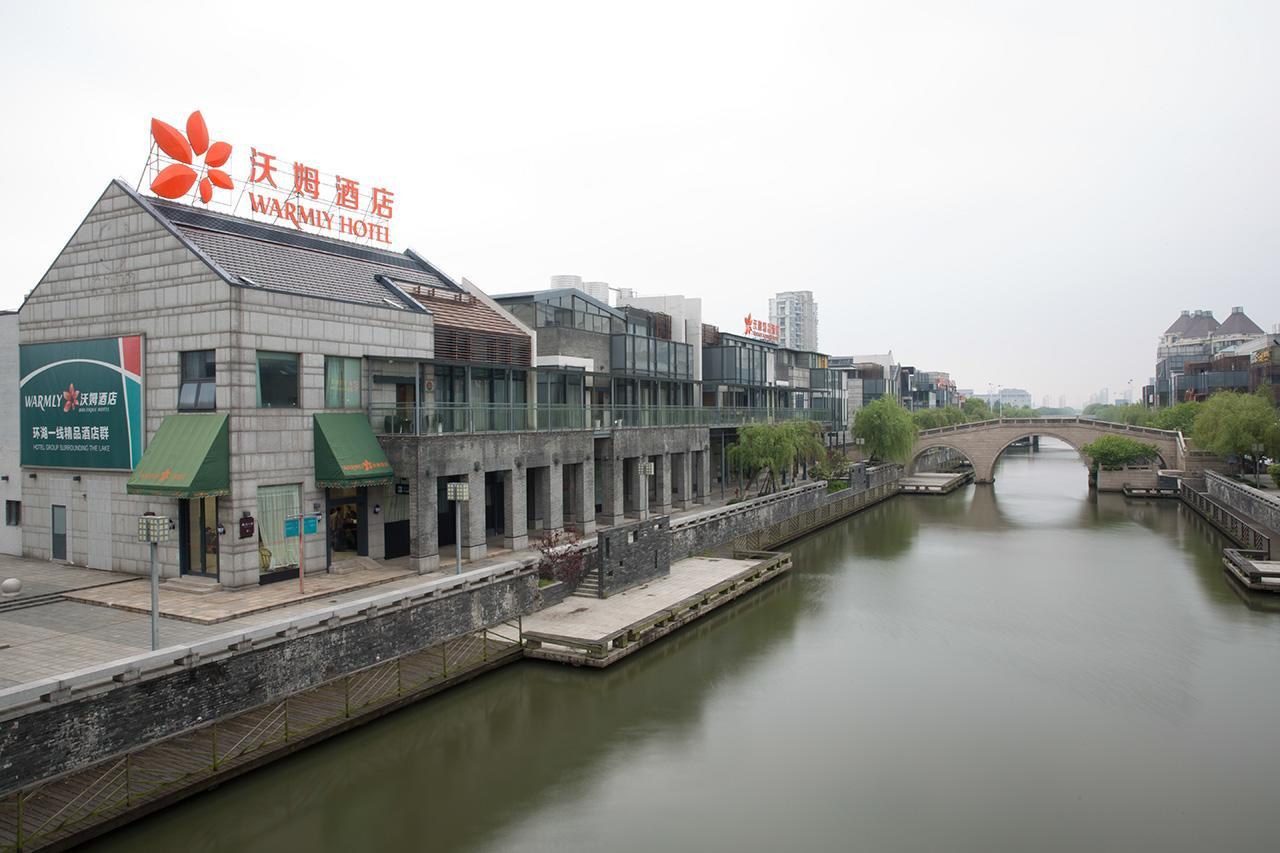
(1021, 666)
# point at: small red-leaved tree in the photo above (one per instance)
(562, 560)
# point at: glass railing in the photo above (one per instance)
(453, 418)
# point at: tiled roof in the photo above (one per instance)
(460, 310)
(1239, 324)
(276, 258)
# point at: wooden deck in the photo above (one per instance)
(935, 484)
(1252, 570)
(599, 632)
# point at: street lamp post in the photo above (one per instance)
(459, 493)
(1257, 476)
(154, 529)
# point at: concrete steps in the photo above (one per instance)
(190, 586)
(589, 587)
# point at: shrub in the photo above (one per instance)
(561, 559)
(1274, 471)
(1116, 451)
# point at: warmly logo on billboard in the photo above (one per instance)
(279, 191)
(81, 403)
(760, 330)
(178, 177)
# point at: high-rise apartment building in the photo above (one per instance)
(796, 315)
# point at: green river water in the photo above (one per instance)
(1024, 667)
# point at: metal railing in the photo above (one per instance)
(1236, 528)
(996, 422)
(454, 418)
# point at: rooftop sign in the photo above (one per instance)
(279, 191)
(760, 330)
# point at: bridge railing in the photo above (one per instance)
(1110, 425)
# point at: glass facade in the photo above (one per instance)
(644, 356)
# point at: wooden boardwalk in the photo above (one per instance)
(599, 632)
(934, 484)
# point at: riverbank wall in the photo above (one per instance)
(90, 750)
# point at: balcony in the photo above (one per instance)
(462, 418)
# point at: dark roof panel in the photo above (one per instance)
(1179, 325)
(282, 259)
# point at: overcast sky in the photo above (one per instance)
(1020, 193)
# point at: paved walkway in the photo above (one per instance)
(226, 604)
(94, 627)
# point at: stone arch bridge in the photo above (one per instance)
(982, 442)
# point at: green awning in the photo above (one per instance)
(348, 453)
(188, 457)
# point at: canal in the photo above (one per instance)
(1024, 667)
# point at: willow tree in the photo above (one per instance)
(1230, 424)
(886, 429)
(772, 450)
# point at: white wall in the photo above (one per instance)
(11, 486)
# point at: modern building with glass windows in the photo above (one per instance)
(232, 376)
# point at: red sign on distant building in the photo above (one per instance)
(760, 330)
(279, 191)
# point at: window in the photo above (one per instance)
(275, 504)
(341, 382)
(13, 513)
(277, 380)
(198, 390)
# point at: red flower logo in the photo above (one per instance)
(175, 179)
(747, 320)
(70, 398)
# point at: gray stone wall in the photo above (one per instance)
(558, 340)
(713, 529)
(75, 733)
(631, 554)
(124, 273)
(1260, 506)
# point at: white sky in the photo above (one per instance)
(1020, 193)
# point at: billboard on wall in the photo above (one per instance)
(81, 403)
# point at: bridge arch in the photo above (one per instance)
(983, 442)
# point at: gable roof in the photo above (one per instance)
(274, 258)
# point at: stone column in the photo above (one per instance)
(584, 488)
(553, 509)
(613, 506)
(424, 541)
(473, 544)
(704, 476)
(662, 484)
(515, 527)
(681, 473)
(541, 495)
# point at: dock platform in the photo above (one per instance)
(1251, 570)
(935, 484)
(599, 632)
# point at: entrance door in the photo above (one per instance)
(198, 540)
(59, 526)
(346, 536)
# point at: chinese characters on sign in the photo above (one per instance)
(188, 166)
(760, 330)
(81, 403)
(313, 202)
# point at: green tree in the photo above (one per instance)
(1230, 424)
(1181, 417)
(772, 450)
(1115, 451)
(1274, 471)
(976, 409)
(886, 429)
